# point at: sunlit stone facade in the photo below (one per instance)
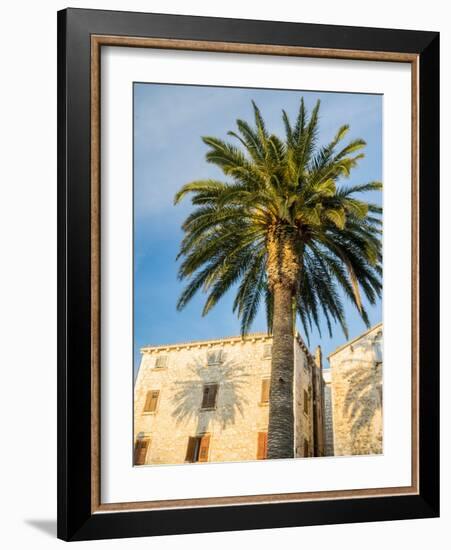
(356, 395)
(207, 401)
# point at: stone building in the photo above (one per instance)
(209, 401)
(355, 396)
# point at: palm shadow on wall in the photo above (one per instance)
(363, 395)
(230, 400)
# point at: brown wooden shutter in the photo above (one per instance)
(192, 441)
(205, 397)
(209, 396)
(262, 446)
(203, 448)
(265, 390)
(151, 401)
(148, 401)
(154, 400)
(213, 394)
(141, 446)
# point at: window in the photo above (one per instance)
(198, 448)
(209, 396)
(267, 349)
(161, 361)
(214, 357)
(151, 401)
(262, 445)
(141, 447)
(377, 346)
(264, 398)
(306, 448)
(306, 402)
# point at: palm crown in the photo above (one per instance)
(284, 219)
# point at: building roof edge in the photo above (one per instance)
(195, 343)
(346, 344)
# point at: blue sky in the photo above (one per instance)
(169, 121)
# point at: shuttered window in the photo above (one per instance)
(151, 401)
(264, 398)
(161, 361)
(198, 447)
(377, 345)
(204, 445)
(214, 357)
(209, 396)
(306, 403)
(141, 447)
(192, 450)
(262, 445)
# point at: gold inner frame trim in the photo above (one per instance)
(97, 41)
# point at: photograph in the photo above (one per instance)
(248, 273)
(257, 274)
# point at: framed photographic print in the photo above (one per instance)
(248, 274)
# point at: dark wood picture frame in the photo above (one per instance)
(81, 34)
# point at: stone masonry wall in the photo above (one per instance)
(357, 396)
(302, 389)
(234, 424)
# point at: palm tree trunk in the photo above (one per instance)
(281, 416)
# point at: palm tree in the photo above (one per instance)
(283, 230)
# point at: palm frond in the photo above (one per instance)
(295, 186)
